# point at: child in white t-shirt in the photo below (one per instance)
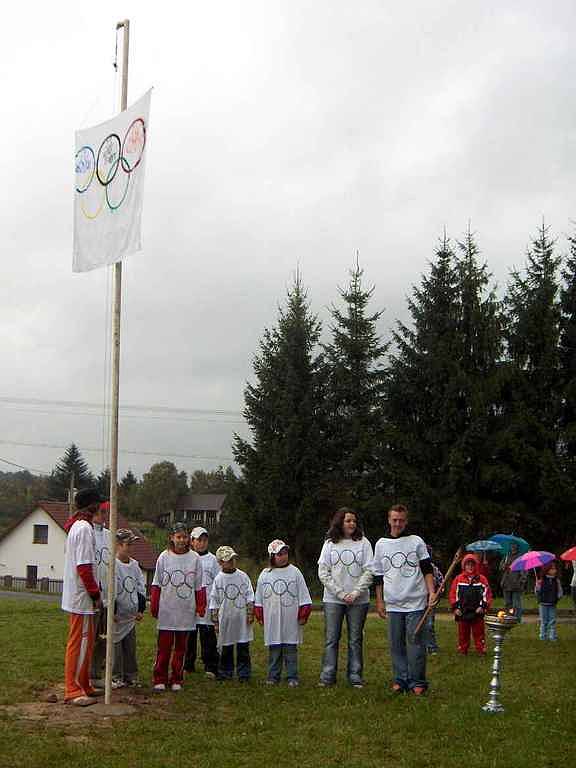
(232, 611)
(176, 597)
(282, 605)
(129, 607)
(103, 548)
(204, 626)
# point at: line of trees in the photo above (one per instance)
(467, 415)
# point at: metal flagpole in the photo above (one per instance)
(116, 312)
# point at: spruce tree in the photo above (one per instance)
(281, 463)
(531, 403)
(72, 463)
(352, 406)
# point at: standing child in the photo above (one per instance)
(282, 605)
(548, 590)
(176, 596)
(232, 611)
(130, 604)
(103, 548)
(470, 598)
(204, 625)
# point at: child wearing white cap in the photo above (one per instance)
(204, 624)
(282, 605)
(232, 611)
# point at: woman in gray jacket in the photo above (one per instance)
(344, 570)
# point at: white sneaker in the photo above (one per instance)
(176, 687)
(118, 684)
(159, 687)
(293, 683)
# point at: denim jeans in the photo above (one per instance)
(514, 600)
(429, 633)
(548, 622)
(243, 663)
(286, 653)
(355, 618)
(408, 652)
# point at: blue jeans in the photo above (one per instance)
(548, 622)
(429, 633)
(277, 654)
(514, 600)
(408, 652)
(355, 618)
(243, 664)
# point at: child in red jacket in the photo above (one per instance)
(470, 598)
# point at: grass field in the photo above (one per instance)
(228, 725)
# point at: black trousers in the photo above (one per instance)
(243, 663)
(208, 649)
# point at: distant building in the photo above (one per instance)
(195, 509)
(33, 547)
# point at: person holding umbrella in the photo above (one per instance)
(513, 583)
(548, 590)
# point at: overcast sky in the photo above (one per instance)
(281, 134)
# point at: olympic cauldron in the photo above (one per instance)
(499, 625)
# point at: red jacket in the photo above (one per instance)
(469, 592)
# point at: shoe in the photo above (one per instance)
(133, 684)
(97, 683)
(95, 693)
(293, 683)
(397, 688)
(159, 688)
(175, 687)
(322, 684)
(82, 701)
(210, 675)
(357, 685)
(271, 682)
(118, 684)
(419, 690)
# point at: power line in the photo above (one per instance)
(125, 407)
(122, 415)
(126, 451)
(27, 469)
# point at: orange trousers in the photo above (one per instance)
(79, 650)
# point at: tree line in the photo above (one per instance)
(467, 414)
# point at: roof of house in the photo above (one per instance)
(201, 501)
(59, 511)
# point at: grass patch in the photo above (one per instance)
(211, 725)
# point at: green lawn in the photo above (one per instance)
(224, 724)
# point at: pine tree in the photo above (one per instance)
(128, 480)
(354, 380)
(281, 465)
(422, 406)
(531, 404)
(103, 482)
(72, 463)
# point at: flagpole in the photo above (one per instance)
(116, 314)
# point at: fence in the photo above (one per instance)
(22, 584)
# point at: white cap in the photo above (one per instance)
(277, 546)
(195, 533)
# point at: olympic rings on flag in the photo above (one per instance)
(113, 155)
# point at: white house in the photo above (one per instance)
(33, 548)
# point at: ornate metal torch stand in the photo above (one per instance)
(499, 626)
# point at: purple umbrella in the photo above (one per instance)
(532, 559)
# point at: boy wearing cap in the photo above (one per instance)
(232, 611)
(80, 599)
(129, 607)
(204, 625)
(282, 605)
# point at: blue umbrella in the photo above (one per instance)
(506, 540)
(484, 545)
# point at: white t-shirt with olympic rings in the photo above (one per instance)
(103, 550)
(129, 582)
(281, 592)
(210, 569)
(346, 560)
(178, 576)
(398, 561)
(231, 593)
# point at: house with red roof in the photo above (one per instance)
(33, 547)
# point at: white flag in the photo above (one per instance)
(109, 189)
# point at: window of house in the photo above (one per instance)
(40, 534)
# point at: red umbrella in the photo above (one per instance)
(570, 554)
